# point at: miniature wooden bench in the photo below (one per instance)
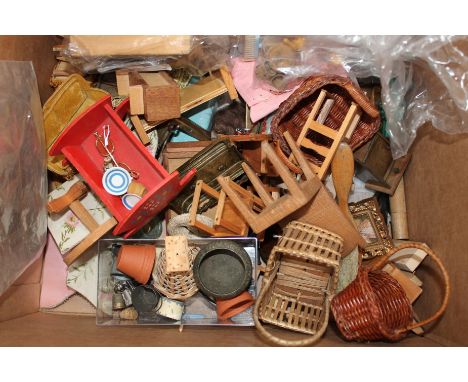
(71, 200)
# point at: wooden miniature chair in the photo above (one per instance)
(298, 193)
(227, 221)
(312, 125)
(71, 200)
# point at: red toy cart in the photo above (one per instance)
(78, 143)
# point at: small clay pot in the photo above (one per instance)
(232, 307)
(137, 261)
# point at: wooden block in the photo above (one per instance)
(226, 75)
(161, 97)
(123, 82)
(177, 251)
(140, 129)
(82, 213)
(411, 289)
(398, 212)
(415, 279)
(137, 103)
(419, 331)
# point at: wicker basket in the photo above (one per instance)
(293, 113)
(375, 307)
(301, 277)
(177, 286)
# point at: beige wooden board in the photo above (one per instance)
(140, 130)
(201, 92)
(137, 105)
(143, 45)
(412, 290)
(227, 78)
(177, 251)
(123, 82)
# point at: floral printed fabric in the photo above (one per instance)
(66, 229)
(83, 277)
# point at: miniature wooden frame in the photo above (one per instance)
(371, 225)
(298, 193)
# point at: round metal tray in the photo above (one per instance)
(222, 270)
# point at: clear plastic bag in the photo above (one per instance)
(197, 54)
(423, 78)
(23, 175)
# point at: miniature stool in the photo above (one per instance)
(298, 193)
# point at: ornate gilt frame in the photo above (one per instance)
(371, 225)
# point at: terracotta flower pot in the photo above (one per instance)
(137, 261)
(232, 307)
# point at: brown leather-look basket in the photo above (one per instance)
(375, 307)
(293, 113)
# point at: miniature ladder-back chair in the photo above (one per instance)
(315, 126)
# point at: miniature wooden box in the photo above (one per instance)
(154, 94)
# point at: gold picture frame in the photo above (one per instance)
(371, 225)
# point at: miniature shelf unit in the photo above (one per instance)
(78, 144)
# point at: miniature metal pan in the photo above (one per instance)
(222, 269)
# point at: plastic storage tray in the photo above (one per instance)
(199, 310)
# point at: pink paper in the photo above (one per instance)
(261, 101)
(54, 289)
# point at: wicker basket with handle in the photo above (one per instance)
(375, 307)
(301, 277)
(293, 113)
(177, 286)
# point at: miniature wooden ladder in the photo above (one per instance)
(349, 123)
(71, 200)
(298, 193)
(227, 221)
